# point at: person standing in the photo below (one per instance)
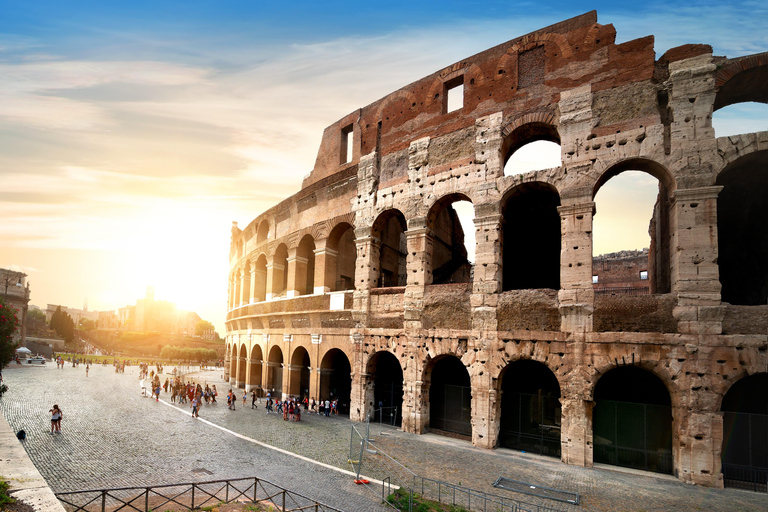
(194, 405)
(253, 399)
(327, 408)
(56, 415)
(245, 396)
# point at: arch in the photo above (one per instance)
(336, 379)
(742, 80)
(262, 234)
(238, 288)
(386, 374)
(233, 363)
(742, 230)
(745, 434)
(448, 262)
(260, 278)
(242, 366)
(256, 363)
(530, 415)
(389, 229)
(304, 267)
(279, 283)
(659, 250)
(298, 381)
(528, 129)
(246, 286)
(275, 373)
(632, 420)
(340, 267)
(450, 396)
(530, 238)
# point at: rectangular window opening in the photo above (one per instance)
(643, 274)
(594, 279)
(454, 94)
(347, 144)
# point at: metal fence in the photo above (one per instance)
(189, 496)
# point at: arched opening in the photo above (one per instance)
(531, 147)
(750, 117)
(233, 364)
(631, 235)
(747, 83)
(299, 377)
(632, 420)
(387, 375)
(336, 379)
(275, 374)
(242, 367)
(450, 397)
(260, 269)
(742, 230)
(305, 266)
(745, 434)
(341, 265)
(530, 409)
(390, 229)
(448, 220)
(279, 271)
(254, 378)
(530, 243)
(246, 298)
(262, 235)
(238, 288)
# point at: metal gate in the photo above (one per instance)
(745, 451)
(633, 435)
(452, 411)
(531, 423)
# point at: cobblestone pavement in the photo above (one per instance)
(114, 437)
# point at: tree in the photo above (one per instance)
(9, 322)
(87, 324)
(203, 326)
(63, 324)
(36, 315)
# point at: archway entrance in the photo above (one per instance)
(387, 388)
(632, 420)
(530, 409)
(299, 385)
(242, 366)
(745, 434)
(275, 375)
(450, 397)
(254, 377)
(336, 379)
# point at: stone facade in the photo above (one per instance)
(354, 287)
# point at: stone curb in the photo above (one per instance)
(25, 481)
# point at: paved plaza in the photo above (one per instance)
(112, 436)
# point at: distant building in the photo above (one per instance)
(76, 314)
(621, 273)
(15, 289)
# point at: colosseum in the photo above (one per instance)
(360, 288)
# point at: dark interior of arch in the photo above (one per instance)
(531, 239)
(387, 388)
(632, 384)
(742, 230)
(749, 395)
(749, 85)
(337, 383)
(450, 398)
(449, 256)
(393, 250)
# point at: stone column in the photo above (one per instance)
(576, 295)
(233, 371)
(252, 287)
(238, 284)
(297, 274)
(418, 271)
(275, 273)
(488, 272)
(693, 262)
(325, 267)
(483, 419)
(226, 364)
(415, 406)
(361, 397)
(245, 288)
(366, 273)
(576, 431)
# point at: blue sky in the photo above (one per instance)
(133, 133)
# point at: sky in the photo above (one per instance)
(132, 134)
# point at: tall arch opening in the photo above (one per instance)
(342, 265)
(238, 288)
(254, 377)
(531, 147)
(631, 230)
(242, 367)
(275, 375)
(530, 242)
(389, 229)
(246, 298)
(745, 434)
(233, 363)
(387, 375)
(450, 220)
(260, 269)
(450, 397)
(632, 420)
(262, 234)
(530, 409)
(336, 379)
(300, 372)
(742, 230)
(279, 271)
(305, 266)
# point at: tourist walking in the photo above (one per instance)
(194, 404)
(253, 399)
(56, 415)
